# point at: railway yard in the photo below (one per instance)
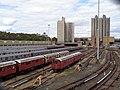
(43, 67)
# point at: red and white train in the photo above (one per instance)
(16, 66)
(63, 62)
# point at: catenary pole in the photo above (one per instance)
(98, 31)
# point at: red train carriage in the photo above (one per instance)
(7, 68)
(32, 62)
(13, 67)
(63, 62)
(77, 56)
(51, 57)
(63, 53)
(28, 63)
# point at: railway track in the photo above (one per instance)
(97, 80)
(26, 78)
(77, 83)
(98, 83)
(108, 81)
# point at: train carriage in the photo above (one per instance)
(63, 53)
(77, 56)
(28, 63)
(7, 68)
(35, 53)
(50, 57)
(66, 61)
(62, 62)
(21, 65)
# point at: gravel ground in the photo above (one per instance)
(68, 76)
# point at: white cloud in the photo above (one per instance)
(33, 16)
(9, 21)
(5, 28)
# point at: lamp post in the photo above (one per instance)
(48, 33)
(98, 32)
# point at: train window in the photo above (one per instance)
(8, 67)
(27, 63)
(16, 56)
(6, 58)
(0, 69)
(56, 61)
(13, 67)
(36, 60)
(57, 56)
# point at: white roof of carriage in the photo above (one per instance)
(30, 59)
(8, 63)
(67, 57)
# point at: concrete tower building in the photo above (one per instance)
(92, 27)
(65, 31)
(107, 27)
(61, 30)
(96, 25)
(69, 37)
(104, 25)
(101, 29)
(104, 29)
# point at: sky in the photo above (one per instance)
(33, 16)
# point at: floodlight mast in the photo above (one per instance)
(49, 33)
(98, 31)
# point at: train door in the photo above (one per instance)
(17, 67)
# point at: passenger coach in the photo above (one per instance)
(29, 63)
(7, 68)
(65, 61)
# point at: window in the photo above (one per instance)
(36, 60)
(13, 67)
(27, 63)
(0, 69)
(56, 62)
(6, 58)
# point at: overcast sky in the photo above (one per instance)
(33, 16)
